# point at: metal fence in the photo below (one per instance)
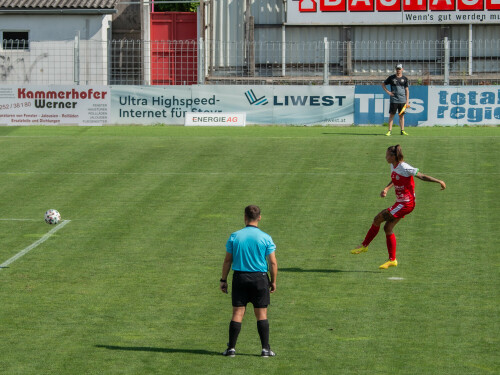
(131, 62)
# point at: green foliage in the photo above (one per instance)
(181, 7)
(130, 285)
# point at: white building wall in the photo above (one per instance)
(51, 50)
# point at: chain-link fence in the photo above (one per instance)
(131, 62)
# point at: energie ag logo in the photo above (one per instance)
(252, 98)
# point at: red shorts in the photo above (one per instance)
(400, 209)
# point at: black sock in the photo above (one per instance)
(234, 331)
(263, 328)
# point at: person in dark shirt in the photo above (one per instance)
(400, 96)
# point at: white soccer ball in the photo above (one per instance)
(52, 217)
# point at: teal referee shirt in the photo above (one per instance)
(250, 246)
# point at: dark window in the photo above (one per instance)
(15, 40)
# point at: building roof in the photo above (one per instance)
(58, 4)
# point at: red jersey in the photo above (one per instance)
(404, 185)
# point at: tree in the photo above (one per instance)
(182, 7)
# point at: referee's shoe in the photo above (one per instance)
(267, 353)
(229, 352)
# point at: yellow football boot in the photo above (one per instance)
(389, 263)
(359, 250)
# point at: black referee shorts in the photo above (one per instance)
(395, 108)
(250, 287)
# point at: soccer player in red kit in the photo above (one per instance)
(402, 175)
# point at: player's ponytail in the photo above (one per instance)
(397, 152)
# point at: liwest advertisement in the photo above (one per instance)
(390, 12)
(263, 104)
(54, 105)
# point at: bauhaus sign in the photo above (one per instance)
(373, 12)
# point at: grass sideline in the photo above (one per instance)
(130, 285)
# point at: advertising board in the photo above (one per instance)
(372, 106)
(54, 105)
(220, 119)
(463, 105)
(392, 12)
(243, 105)
(327, 105)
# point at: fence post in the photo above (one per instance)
(283, 52)
(201, 62)
(446, 61)
(108, 54)
(470, 49)
(348, 65)
(76, 58)
(206, 59)
(283, 42)
(145, 42)
(251, 45)
(326, 63)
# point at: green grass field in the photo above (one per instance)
(130, 285)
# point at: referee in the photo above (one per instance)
(247, 250)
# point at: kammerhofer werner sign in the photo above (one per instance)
(380, 12)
